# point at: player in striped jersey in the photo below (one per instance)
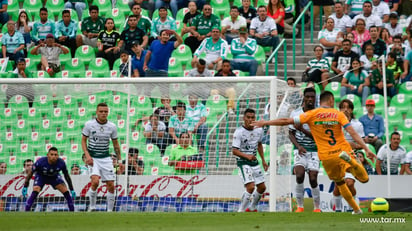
(247, 140)
(98, 132)
(326, 125)
(305, 153)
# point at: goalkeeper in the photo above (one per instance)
(47, 172)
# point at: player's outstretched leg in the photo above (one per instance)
(345, 192)
(31, 200)
(357, 170)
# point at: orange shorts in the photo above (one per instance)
(336, 168)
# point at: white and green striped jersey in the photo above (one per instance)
(197, 112)
(247, 142)
(305, 141)
(99, 136)
(158, 26)
(318, 64)
(355, 5)
(243, 52)
(212, 49)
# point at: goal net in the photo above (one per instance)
(42, 113)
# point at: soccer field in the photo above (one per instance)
(202, 221)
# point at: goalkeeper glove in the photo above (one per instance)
(24, 192)
(73, 194)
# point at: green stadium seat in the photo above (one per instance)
(76, 68)
(260, 55)
(116, 64)
(85, 53)
(54, 7)
(64, 74)
(35, 59)
(100, 67)
(123, 6)
(13, 9)
(104, 7)
(395, 117)
(175, 67)
(183, 54)
(334, 87)
(402, 102)
(41, 74)
(262, 2)
(65, 58)
(406, 88)
(118, 17)
(19, 104)
(237, 3)
(73, 15)
(142, 106)
(32, 7)
(181, 14)
(215, 105)
(317, 87)
(220, 7)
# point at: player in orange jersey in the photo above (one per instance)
(326, 125)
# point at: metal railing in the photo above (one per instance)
(301, 18)
(275, 55)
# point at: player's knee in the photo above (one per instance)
(313, 183)
(363, 180)
(261, 188)
(336, 192)
(300, 178)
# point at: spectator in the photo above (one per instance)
(78, 5)
(197, 112)
(138, 60)
(393, 65)
(180, 123)
(124, 64)
(25, 90)
(393, 26)
(133, 33)
(215, 48)
(84, 169)
(155, 133)
(407, 167)
(385, 36)
(91, 26)
(66, 30)
(27, 166)
(75, 169)
(373, 126)
(12, 43)
(356, 81)
(393, 5)
(243, 50)
(50, 52)
(370, 19)
(360, 34)
(156, 61)
(377, 81)
(163, 22)
(328, 38)
(343, 58)
(165, 111)
(379, 46)
(189, 16)
(229, 92)
(399, 49)
(395, 152)
(23, 25)
(247, 11)
(231, 25)
(355, 47)
(200, 70)
(107, 41)
(145, 4)
(361, 157)
(183, 152)
(368, 60)
(354, 7)
(277, 11)
(134, 165)
(201, 27)
(342, 21)
(327, 7)
(346, 106)
(317, 69)
(171, 4)
(3, 168)
(381, 9)
(4, 16)
(143, 22)
(263, 29)
(290, 10)
(43, 27)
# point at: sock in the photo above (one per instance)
(31, 200)
(316, 197)
(358, 171)
(69, 200)
(338, 202)
(300, 192)
(255, 200)
(110, 201)
(244, 202)
(344, 191)
(93, 198)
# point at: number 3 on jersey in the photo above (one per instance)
(331, 136)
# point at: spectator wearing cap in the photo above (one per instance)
(215, 48)
(133, 33)
(138, 57)
(12, 43)
(231, 24)
(376, 81)
(243, 49)
(393, 26)
(107, 41)
(163, 22)
(134, 165)
(91, 26)
(263, 29)
(66, 30)
(156, 63)
(43, 27)
(201, 27)
(373, 126)
(25, 90)
(50, 52)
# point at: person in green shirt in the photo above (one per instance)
(377, 81)
(91, 26)
(356, 81)
(183, 152)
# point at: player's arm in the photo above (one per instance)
(68, 179)
(275, 122)
(27, 182)
(406, 168)
(242, 155)
(360, 142)
(116, 147)
(378, 167)
(292, 138)
(262, 156)
(89, 160)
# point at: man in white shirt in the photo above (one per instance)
(231, 24)
(263, 29)
(396, 152)
(370, 19)
(342, 21)
(381, 9)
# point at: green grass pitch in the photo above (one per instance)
(101, 221)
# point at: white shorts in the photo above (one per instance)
(103, 167)
(251, 174)
(310, 161)
(91, 42)
(349, 175)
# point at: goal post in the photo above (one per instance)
(62, 106)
